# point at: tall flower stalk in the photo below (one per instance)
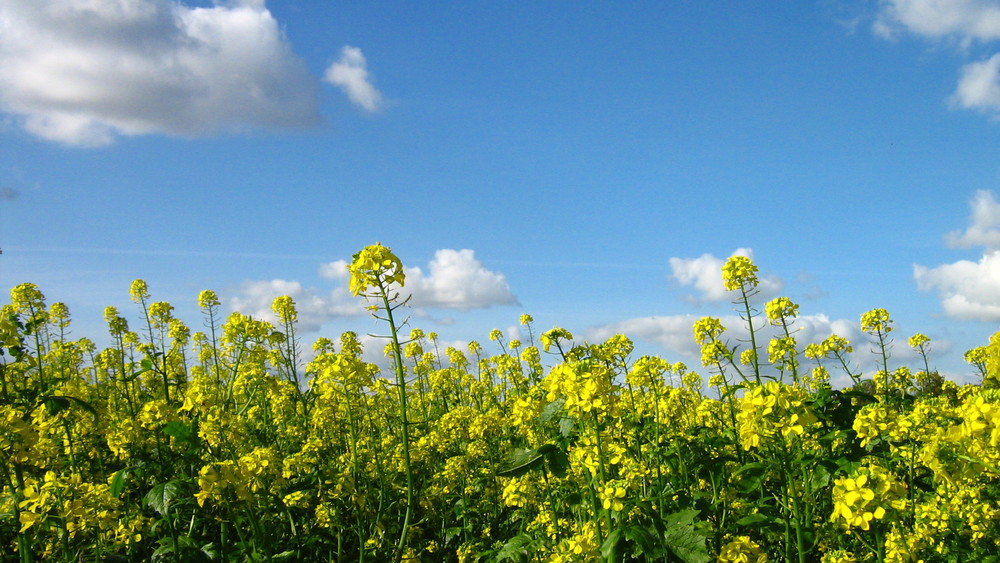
(740, 273)
(376, 274)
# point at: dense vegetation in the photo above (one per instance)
(221, 445)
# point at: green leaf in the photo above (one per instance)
(55, 405)
(751, 476)
(146, 365)
(118, 481)
(609, 550)
(183, 432)
(557, 461)
(545, 449)
(160, 496)
(641, 537)
(8, 334)
(551, 410)
(566, 425)
(520, 462)
(683, 539)
(516, 549)
(753, 520)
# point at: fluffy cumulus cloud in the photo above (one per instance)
(84, 72)
(454, 279)
(970, 290)
(350, 74)
(704, 274)
(961, 21)
(254, 298)
(979, 87)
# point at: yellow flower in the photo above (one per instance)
(876, 321)
(742, 550)
(375, 266)
(611, 496)
(707, 329)
(918, 340)
(780, 309)
(139, 291)
(739, 272)
(27, 298)
(860, 500)
(208, 299)
(284, 308)
(553, 336)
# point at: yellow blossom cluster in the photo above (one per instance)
(230, 443)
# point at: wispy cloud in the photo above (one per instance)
(350, 74)
(964, 20)
(166, 252)
(961, 22)
(82, 73)
(984, 227)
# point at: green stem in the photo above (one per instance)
(753, 335)
(401, 386)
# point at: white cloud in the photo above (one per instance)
(970, 290)
(964, 19)
(254, 298)
(336, 270)
(705, 275)
(457, 280)
(979, 87)
(83, 72)
(985, 220)
(673, 332)
(967, 290)
(350, 74)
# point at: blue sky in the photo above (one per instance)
(589, 163)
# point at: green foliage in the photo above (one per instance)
(220, 446)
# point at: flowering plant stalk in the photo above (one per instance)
(589, 454)
(376, 273)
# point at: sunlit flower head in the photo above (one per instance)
(375, 266)
(780, 309)
(284, 308)
(918, 341)
(876, 321)
(207, 299)
(139, 291)
(739, 272)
